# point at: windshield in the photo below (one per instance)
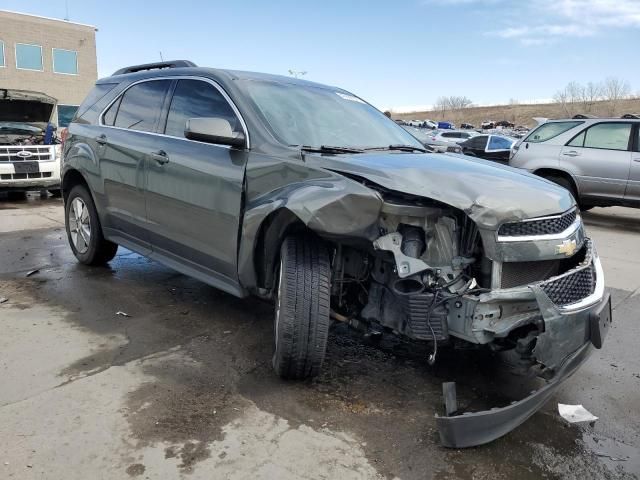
(315, 116)
(547, 131)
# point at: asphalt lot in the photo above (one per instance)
(183, 387)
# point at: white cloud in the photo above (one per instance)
(538, 22)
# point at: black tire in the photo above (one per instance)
(301, 325)
(100, 250)
(56, 192)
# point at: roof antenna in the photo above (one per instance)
(161, 59)
(66, 9)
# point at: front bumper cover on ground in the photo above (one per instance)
(477, 428)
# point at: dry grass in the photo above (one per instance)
(523, 114)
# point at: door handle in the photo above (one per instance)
(571, 153)
(101, 139)
(160, 157)
(636, 159)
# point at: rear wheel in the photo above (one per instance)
(84, 230)
(302, 320)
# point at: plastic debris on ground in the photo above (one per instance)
(3, 299)
(32, 272)
(123, 314)
(575, 413)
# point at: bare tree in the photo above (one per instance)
(442, 105)
(569, 97)
(591, 94)
(615, 90)
(562, 97)
(458, 103)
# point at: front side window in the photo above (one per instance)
(65, 61)
(308, 115)
(547, 131)
(28, 57)
(197, 99)
(140, 106)
(608, 136)
(478, 142)
(2, 64)
(66, 114)
(499, 143)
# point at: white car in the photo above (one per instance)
(29, 156)
(448, 137)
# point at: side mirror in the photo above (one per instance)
(213, 130)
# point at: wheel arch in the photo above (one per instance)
(71, 178)
(273, 230)
(555, 172)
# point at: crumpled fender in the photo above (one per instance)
(333, 206)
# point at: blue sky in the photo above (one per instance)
(392, 53)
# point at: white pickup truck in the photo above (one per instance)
(29, 158)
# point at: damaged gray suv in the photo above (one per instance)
(307, 195)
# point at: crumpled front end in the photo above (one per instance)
(532, 291)
(543, 317)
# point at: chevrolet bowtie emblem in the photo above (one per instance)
(568, 247)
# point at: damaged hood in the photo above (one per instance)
(21, 106)
(488, 193)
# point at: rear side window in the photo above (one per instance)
(450, 135)
(547, 131)
(195, 99)
(607, 136)
(141, 106)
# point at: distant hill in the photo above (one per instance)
(522, 114)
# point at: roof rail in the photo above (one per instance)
(631, 116)
(154, 66)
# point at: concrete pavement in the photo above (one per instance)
(183, 386)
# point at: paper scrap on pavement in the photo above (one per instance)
(575, 413)
(123, 314)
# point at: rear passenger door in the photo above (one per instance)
(600, 158)
(194, 189)
(127, 137)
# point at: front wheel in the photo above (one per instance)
(302, 320)
(84, 231)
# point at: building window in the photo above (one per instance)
(65, 61)
(28, 57)
(2, 64)
(66, 114)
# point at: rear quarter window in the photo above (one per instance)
(87, 111)
(547, 131)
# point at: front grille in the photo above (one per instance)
(515, 274)
(565, 281)
(571, 288)
(416, 308)
(543, 226)
(39, 153)
(24, 176)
